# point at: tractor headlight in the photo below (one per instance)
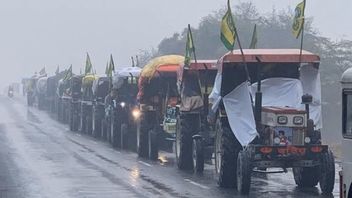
(276, 140)
(298, 120)
(282, 120)
(122, 104)
(307, 140)
(136, 113)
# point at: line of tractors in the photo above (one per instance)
(241, 117)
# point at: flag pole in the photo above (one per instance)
(302, 34)
(193, 48)
(242, 53)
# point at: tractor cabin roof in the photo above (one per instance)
(270, 56)
(202, 65)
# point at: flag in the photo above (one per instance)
(89, 66)
(42, 71)
(228, 33)
(189, 47)
(57, 70)
(68, 73)
(298, 21)
(254, 41)
(110, 67)
(107, 69)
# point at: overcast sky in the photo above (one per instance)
(35, 33)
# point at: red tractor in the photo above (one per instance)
(194, 135)
(268, 114)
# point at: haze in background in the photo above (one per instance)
(37, 33)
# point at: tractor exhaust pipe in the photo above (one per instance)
(258, 98)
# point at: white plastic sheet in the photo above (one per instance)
(240, 115)
(124, 73)
(280, 92)
(310, 79)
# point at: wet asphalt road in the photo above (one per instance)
(40, 157)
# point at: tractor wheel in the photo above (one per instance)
(115, 133)
(184, 143)
(153, 150)
(83, 123)
(124, 133)
(142, 137)
(198, 156)
(226, 151)
(327, 178)
(306, 177)
(244, 172)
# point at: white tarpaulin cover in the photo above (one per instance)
(240, 115)
(41, 85)
(310, 79)
(280, 92)
(214, 96)
(123, 73)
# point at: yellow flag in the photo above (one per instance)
(298, 21)
(228, 34)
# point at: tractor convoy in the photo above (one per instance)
(258, 110)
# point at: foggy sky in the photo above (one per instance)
(35, 33)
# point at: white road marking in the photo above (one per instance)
(78, 134)
(196, 184)
(145, 163)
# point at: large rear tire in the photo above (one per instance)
(184, 143)
(327, 179)
(198, 156)
(244, 172)
(226, 151)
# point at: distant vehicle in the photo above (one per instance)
(269, 115)
(10, 92)
(346, 173)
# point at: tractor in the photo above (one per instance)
(124, 112)
(87, 104)
(75, 102)
(267, 107)
(100, 89)
(195, 137)
(158, 98)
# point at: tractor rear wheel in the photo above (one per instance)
(142, 137)
(227, 148)
(306, 176)
(198, 156)
(184, 143)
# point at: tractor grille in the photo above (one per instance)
(298, 137)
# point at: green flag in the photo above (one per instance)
(189, 47)
(68, 73)
(88, 69)
(107, 69)
(110, 67)
(298, 21)
(228, 35)
(42, 71)
(254, 41)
